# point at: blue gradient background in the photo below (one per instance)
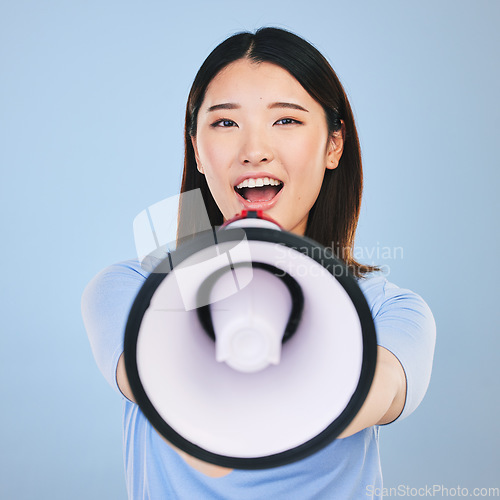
(91, 115)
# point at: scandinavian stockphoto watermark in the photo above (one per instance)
(380, 256)
(433, 490)
(157, 233)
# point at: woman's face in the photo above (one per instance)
(262, 143)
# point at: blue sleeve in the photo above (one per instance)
(106, 303)
(405, 326)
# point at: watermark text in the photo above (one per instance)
(433, 490)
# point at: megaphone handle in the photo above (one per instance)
(296, 294)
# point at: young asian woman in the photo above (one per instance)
(269, 127)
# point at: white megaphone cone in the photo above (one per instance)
(251, 347)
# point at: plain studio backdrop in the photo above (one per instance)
(92, 97)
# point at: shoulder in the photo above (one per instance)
(383, 297)
(108, 297)
(126, 276)
(127, 270)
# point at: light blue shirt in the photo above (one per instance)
(347, 468)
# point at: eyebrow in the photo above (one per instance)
(289, 105)
(226, 105)
(274, 105)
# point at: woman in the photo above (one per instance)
(268, 126)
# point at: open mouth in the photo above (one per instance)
(261, 189)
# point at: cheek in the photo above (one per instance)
(216, 158)
(308, 157)
(214, 154)
(309, 145)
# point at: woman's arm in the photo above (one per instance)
(122, 380)
(386, 398)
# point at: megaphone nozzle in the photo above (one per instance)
(247, 349)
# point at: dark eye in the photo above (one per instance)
(224, 123)
(286, 121)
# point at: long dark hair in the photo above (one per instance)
(334, 217)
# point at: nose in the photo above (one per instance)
(256, 150)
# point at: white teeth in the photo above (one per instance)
(259, 182)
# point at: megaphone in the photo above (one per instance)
(250, 347)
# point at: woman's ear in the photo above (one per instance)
(335, 148)
(199, 166)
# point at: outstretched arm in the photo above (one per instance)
(386, 398)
